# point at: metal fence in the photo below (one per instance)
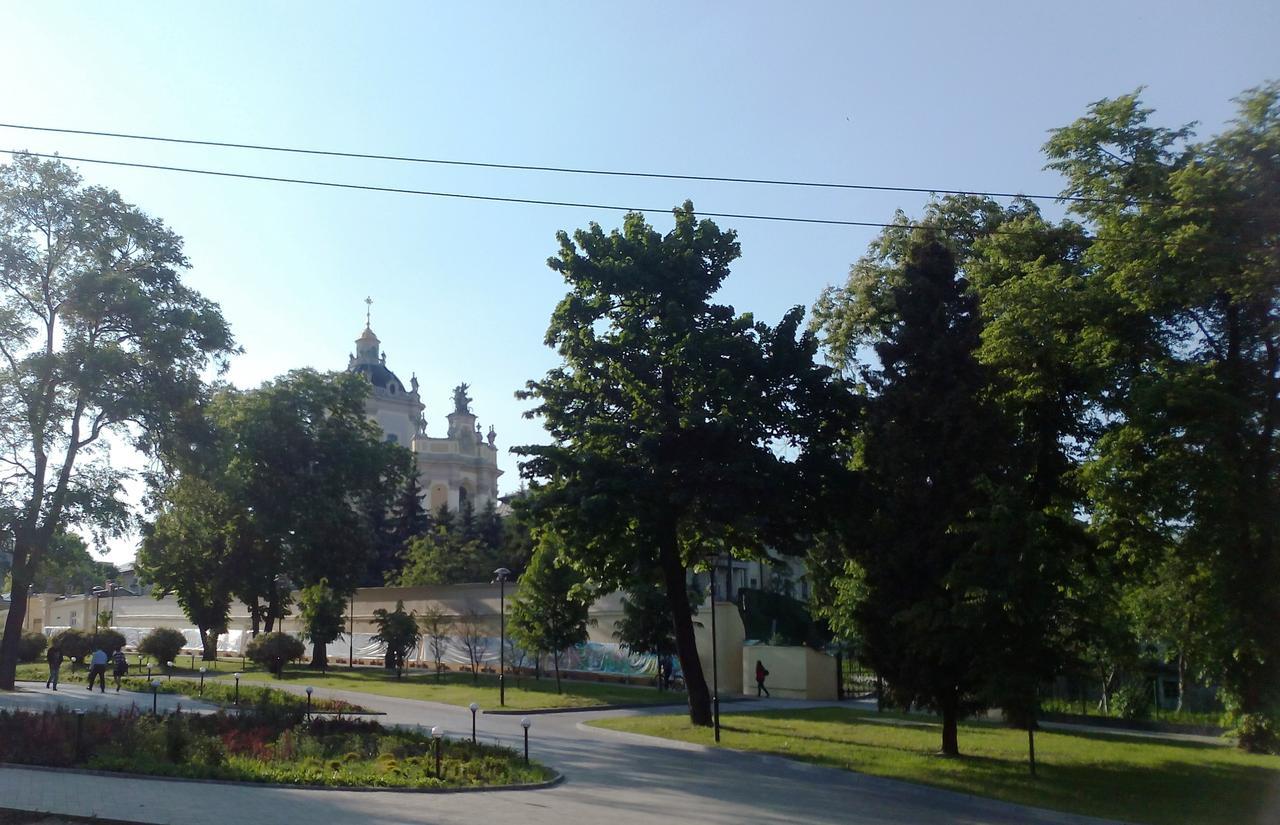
(854, 681)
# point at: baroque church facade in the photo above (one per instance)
(457, 469)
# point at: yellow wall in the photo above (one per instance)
(794, 672)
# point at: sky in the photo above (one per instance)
(945, 95)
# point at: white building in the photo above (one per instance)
(458, 468)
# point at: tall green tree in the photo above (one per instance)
(186, 551)
(399, 631)
(323, 612)
(69, 567)
(646, 627)
(679, 427)
(1188, 463)
(551, 610)
(98, 335)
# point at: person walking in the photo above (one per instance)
(54, 658)
(98, 668)
(760, 674)
(119, 666)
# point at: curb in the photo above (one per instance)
(591, 709)
(529, 786)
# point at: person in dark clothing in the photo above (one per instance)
(54, 658)
(98, 669)
(119, 667)
(760, 674)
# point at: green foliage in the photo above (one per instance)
(188, 550)
(645, 626)
(107, 639)
(397, 630)
(323, 614)
(75, 644)
(252, 748)
(679, 428)
(33, 644)
(436, 627)
(465, 549)
(550, 611)
(68, 567)
(101, 336)
(274, 650)
(163, 644)
(1181, 482)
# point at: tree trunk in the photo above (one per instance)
(673, 574)
(208, 645)
(950, 717)
(13, 624)
(255, 616)
(319, 656)
(557, 658)
(1182, 681)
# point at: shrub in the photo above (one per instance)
(107, 639)
(1132, 700)
(162, 644)
(274, 650)
(1258, 733)
(73, 643)
(30, 646)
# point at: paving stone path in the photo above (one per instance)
(611, 778)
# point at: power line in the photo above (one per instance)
(526, 201)
(563, 169)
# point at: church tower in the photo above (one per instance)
(459, 469)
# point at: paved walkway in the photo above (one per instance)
(612, 778)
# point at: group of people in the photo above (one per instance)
(98, 662)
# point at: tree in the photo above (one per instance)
(645, 627)
(98, 335)
(550, 611)
(322, 617)
(1187, 463)
(274, 651)
(188, 550)
(444, 556)
(471, 633)
(399, 631)
(33, 644)
(679, 428)
(162, 644)
(68, 567)
(75, 644)
(436, 626)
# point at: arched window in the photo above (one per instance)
(463, 495)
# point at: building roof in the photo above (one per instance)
(378, 374)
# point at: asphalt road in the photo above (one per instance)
(613, 778)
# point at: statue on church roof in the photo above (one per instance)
(461, 401)
(493, 435)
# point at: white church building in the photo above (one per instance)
(459, 468)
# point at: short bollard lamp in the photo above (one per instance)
(474, 708)
(202, 671)
(148, 671)
(525, 723)
(79, 733)
(155, 696)
(237, 676)
(309, 690)
(437, 733)
(171, 666)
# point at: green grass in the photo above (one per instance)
(1168, 717)
(453, 688)
(1127, 778)
(458, 689)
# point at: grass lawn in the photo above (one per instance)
(458, 689)
(1138, 780)
(454, 688)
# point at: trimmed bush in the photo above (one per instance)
(73, 642)
(107, 639)
(30, 646)
(162, 644)
(274, 650)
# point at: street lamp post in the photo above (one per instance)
(155, 693)
(202, 670)
(437, 733)
(237, 701)
(501, 575)
(474, 708)
(309, 689)
(524, 723)
(351, 633)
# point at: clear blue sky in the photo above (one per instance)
(948, 95)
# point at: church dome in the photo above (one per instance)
(378, 375)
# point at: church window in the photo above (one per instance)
(463, 494)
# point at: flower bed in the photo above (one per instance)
(256, 748)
